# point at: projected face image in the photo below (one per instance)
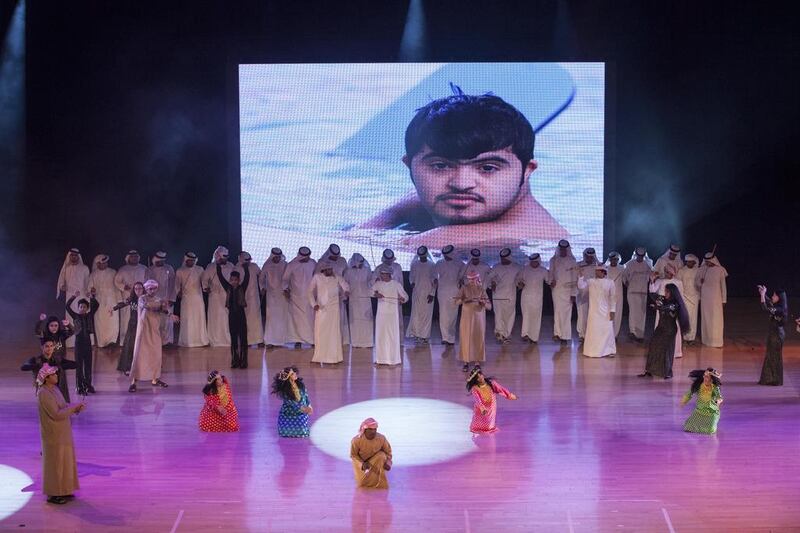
(468, 191)
(405, 155)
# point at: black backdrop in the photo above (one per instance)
(131, 123)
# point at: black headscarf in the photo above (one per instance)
(56, 337)
(683, 316)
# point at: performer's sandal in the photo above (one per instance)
(58, 500)
(132, 388)
(159, 383)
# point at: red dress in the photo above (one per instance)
(211, 420)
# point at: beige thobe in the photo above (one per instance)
(376, 451)
(472, 328)
(59, 468)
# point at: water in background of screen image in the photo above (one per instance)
(295, 193)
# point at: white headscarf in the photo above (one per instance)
(357, 259)
(646, 257)
(417, 256)
(714, 260)
(218, 253)
(242, 260)
(130, 253)
(99, 258)
(691, 257)
(557, 256)
(62, 276)
(273, 254)
(158, 255)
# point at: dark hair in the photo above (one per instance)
(781, 308)
(283, 387)
(474, 381)
(211, 388)
(698, 376)
(83, 301)
(234, 274)
(683, 316)
(462, 126)
(59, 336)
(133, 296)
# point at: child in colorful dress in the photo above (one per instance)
(219, 412)
(296, 408)
(485, 390)
(705, 417)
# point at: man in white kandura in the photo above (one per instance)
(296, 281)
(422, 277)
(127, 275)
(599, 340)
(362, 324)
(390, 295)
(388, 260)
(637, 277)
(691, 294)
(671, 257)
(73, 280)
(502, 279)
(713, 296)
(616, 273)
(657, 285)
(325, 292)
(333, 255)
(448, 273)
(193, 331)
(164, 274)
(101, 283)
(564, 288)
(218, 331)
(252, 295)
(474, 265)
(276, 321)
(531, 280)
(586, 269)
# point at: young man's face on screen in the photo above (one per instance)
(468, 191)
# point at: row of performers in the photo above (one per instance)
(327, 292)
(672, 317)
(370, 451)
(141, 356)
(289, 309)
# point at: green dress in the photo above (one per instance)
(705, 417)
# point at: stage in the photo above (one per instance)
(587, 447)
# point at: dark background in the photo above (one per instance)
(131, 119)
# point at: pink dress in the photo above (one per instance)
(486, 396)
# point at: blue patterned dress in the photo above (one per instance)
(292, 422)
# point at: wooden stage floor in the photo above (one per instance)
(588, 446)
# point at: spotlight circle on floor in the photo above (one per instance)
(421, 431)
(12, 499)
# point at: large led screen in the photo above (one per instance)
(398, 155)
